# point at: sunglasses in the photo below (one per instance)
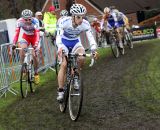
(80, 17)
(27, 19)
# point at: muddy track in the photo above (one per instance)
(104, 107)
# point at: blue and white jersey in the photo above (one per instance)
(69, 32)
(116, 15)
(65, 30)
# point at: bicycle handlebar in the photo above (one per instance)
(85, 55)
(30, 48)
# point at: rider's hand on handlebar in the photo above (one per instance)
(13, 47)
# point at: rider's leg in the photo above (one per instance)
(78, 48)
(35, 62)
(81, 61)
(119, 34)
(62, 73)
(22, 44)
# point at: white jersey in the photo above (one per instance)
(117, 16)
(113, 16)
(66, 30)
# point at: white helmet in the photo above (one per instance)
(116, 10)
(106, 10)
(26, 13)
(78, 9)
(64, 13)
(95, 19)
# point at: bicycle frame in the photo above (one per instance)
(26, 78)
(28, 55)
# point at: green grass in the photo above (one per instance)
(44, 78)
(10, 98)
(143, 81)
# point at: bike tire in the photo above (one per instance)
(75, 98)
(31, 78)
(63, 104)
(24, 80)
(129, 41)
(114, 48)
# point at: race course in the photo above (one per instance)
(119, 94)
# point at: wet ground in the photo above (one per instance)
(107, 102)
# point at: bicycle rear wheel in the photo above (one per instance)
(75, 98)
(24, 80)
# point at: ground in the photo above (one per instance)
(117, 96)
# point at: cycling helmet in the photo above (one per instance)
(95, 19)
(26, 13)
(78, 9)
(64, 13)
(106, 10)
(116, 10)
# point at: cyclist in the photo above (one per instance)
(64, 13)
(68, 38)
(114, 19)
(96, 25)
(29, 25)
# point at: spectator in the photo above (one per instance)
(39, 17)
(50, 21)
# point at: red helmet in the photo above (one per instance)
(51, 8)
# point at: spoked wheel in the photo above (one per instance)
(75, 98)
(103, 39)
(24, 80)
(129, 41)
(63, 104)
(31, 77)
(114, 48)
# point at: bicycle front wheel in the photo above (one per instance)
(129, 41)
(24, 80)
(31, 77)
(75, 98)
(114, 48)
(63, 104)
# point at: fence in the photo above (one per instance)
(10, 64)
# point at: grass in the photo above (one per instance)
(141, 87)
(44, 78)
(10, 98)
(143, 81)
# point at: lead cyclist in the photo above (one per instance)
(68, 37)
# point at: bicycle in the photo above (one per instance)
(75, 96)
(116, 50)
(101, 38)
(127, 38)
(27, 73)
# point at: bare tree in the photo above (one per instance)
(68, 5)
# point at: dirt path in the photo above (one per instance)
(105, 105)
